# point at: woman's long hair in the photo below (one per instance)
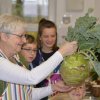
(44, 23)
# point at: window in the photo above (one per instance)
(31, 10)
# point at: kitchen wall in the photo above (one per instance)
(5, 6)
(61, 11)
(57, 10)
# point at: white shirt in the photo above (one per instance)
(13, 73)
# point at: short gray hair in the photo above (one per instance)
(11, 23)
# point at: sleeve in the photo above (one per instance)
(39, 93)
(13, 73)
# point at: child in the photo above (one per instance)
(47, 46)
(28, 51)
(28, 54)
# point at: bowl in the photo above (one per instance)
(95, 89)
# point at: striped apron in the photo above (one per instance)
(16, 91)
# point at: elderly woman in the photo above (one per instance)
(17, 78)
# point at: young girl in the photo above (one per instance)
(28, 51)
(47, 46)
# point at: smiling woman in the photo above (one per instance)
(12, 72)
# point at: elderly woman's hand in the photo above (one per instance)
(59, 86)
(68, 48)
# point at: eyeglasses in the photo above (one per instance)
(29, 50)
(21, 36)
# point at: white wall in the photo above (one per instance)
(57, 10)
(97, 9)
(5, 6)
(61, 10)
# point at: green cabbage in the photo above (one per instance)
(75, 69)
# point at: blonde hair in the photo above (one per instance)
(11, 23)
